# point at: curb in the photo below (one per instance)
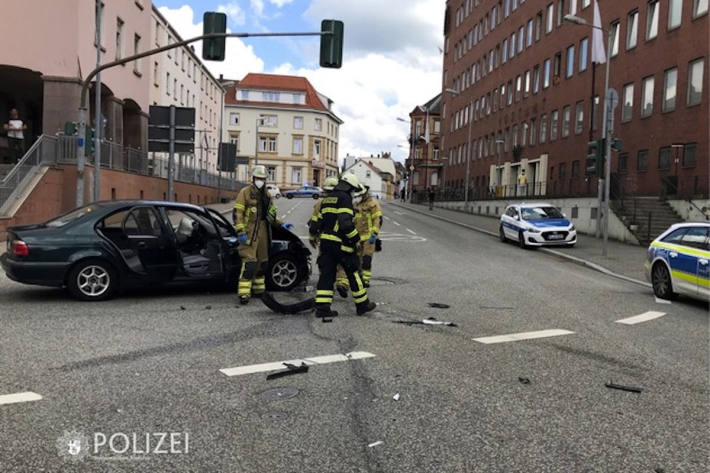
(574, 259)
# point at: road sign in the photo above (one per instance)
(159, 129)
(227, 157)
(613, 98)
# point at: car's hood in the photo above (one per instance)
(549, 222)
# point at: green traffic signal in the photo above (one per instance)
(213, 49)
(331, 44)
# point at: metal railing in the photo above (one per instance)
(538, 190)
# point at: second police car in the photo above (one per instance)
(679, 261)
(536, 224)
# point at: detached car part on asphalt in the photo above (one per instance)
(104, 248)
(536, 225)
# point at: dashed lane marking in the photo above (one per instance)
(411, 231)
(662, 301)
(637, 319)
(395, 222)
(387, 218)
(19, 397)
(318, 360)
(515, 337)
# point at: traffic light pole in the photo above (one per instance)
(97, 107)
(606, 132)
(83, 110)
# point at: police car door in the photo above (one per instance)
(683, 264)
(510, 223)
(695, 240)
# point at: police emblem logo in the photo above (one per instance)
(73, 445)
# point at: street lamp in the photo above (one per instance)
(605, 128)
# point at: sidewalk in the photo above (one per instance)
(622, 260)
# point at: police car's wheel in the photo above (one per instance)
(521, 240)
(661, 281)
(501, 234)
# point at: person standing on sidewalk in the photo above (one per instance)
(15, 129)
(430, 193)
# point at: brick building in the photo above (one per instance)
(524, 77)
(425, 161)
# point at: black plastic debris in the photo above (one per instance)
(209, 307)
(439, 305)
(427, 321)
(182, 307)
(524, 380)
(621, 387)
(290, 369)
(295, 308)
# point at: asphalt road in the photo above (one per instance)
(150, 362)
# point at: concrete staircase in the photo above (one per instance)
(639, 212)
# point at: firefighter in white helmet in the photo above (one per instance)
(254, 215)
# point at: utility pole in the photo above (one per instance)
(98, 116)
(606, 132)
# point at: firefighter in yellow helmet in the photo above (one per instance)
(338, 239)
(328, 186)
(368, 221)
(254, 214)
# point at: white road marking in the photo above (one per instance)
(318, 360)
(387, 218)
(395, 222)
(19, 397)
(662, 301)
(514, 337)
(410, 231)
(637, 319)
(374, 444)
(400, 213)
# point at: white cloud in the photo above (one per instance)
(234, 12)
(280, 3)
(257, 6)
(240, 59)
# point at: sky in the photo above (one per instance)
(392, 57)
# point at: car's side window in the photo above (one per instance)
(186, 222)
(142, 221)
(695, 237)
(676, 236)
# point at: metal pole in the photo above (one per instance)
(468, 156)
(256, 143)
(80, 157)
(97, 108)
(607, 146)
(171, 156)
(219, 150)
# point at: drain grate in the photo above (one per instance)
(279, 394)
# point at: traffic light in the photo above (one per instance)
(213, 48)
(89, 141)
(331, 44)
(617, 144)
(70, 128)
(593, 163)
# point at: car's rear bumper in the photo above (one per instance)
(27, 272)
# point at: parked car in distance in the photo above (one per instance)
(273, 190)
(104, 248)
(678, 261)
(536, 224)
(305, 191)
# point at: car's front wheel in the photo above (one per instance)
(289, 196)
(521, 240)
(284, 273)
(92, 280)
(316, 196)
(661, 281)
(501, 234)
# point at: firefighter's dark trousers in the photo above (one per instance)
(333, 254)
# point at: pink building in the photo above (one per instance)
(49, 47)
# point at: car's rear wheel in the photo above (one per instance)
(316, 196)
(521, 240)
(662, 282)
(501, 234)
(284, 273)
(289, 196)
(92, 280)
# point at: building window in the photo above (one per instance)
(647, 96)
(182, 94)
(689, 153)
(234, 139)
(579, 118)
(271, 173)
(538, 26)
(562, 171)
(156, 73)
(700, 7)
(298, 145)
(175, 89)
(615, 38)
(515, 136)
(546, 75)
(521, 39)
(512, 46)
(530, 33)
(518, 88)
(524, 135)
(296, 176)
(583, 45)
(632, 29)
(533, 131)
(536, 79)
(119, 39)
(167, 83)
(271, 121)
(695, 82)
(437, 126)
(271, 96)
(527, 83)
(557, 66)
(543, 129)
(623, 165)
(652, 20)
(642, 161)
(234, 118)
(554, 120)
(627, 102)
(136, 50)
(560, 12)
(267, 144)
(245, 94)
(670, 80)
(549, 18)
(566, 118)
(298, 123)
(664, 158)
(319, 124)
(675, 12)
(504, 52)
(316, 148)
(570, 61)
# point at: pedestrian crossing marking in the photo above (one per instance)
(27, 396)
(277, 365)
(515, 337)
(637, 319)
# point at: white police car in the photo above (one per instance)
(536, 225)
(679, 261)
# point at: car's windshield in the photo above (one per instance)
(540, 213)
(68, 218)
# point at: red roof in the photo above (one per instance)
(280, 83)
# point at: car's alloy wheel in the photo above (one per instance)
(661, 281)
(284, 273)
(92, 280)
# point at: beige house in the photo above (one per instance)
(283, 123)
(178, 77)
